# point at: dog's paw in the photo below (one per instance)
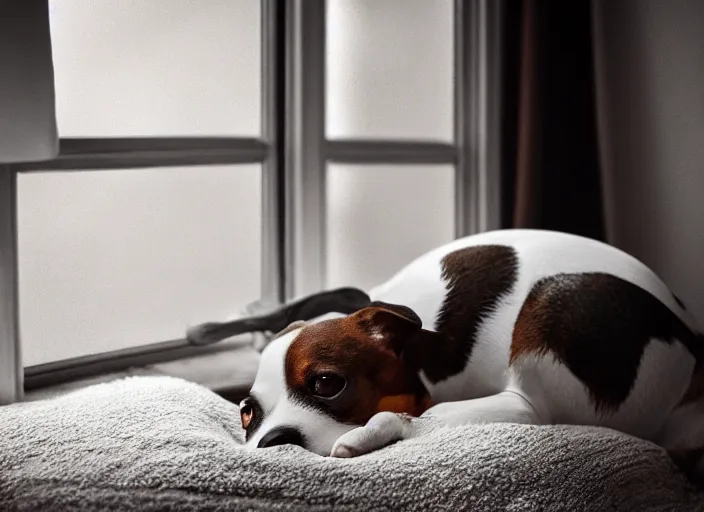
(381, 430)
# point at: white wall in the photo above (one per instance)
(650, 64)
(115, 259)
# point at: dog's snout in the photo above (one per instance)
(280, 436)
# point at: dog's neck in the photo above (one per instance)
(413, 404)
(436, 354)
(438, 357)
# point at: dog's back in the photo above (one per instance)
(588, 334)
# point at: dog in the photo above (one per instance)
(519, 326)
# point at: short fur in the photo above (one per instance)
(518, 326)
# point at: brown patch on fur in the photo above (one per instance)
(403, 404)
(366, 348)
(597, 325)
(695, 392)
(477, 279)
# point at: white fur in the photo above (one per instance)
(538, 389)
(269, 388)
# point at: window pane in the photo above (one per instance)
(389, 69)
(117, 259)
(156, 67)
(380, 217)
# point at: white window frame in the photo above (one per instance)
(294, 152)
(475, 151)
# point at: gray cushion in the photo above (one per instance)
(158, 443)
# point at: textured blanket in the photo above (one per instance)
(159, 443)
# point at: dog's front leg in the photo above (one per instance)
(386, 427)
(505, 407)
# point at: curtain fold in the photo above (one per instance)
(552, 175)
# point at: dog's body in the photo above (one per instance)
(519, 326)
(509, 265)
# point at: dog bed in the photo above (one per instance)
(160, 443)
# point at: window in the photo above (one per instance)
(386, 78)
(97, 250)
(138, 68)
(380, 217)
(215, 153)
(438, 108)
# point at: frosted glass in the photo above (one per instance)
(156, 67)
(381, 217)
(390, 69)
(117, 259)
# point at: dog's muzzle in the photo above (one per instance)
(280, 436)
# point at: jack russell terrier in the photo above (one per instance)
(518, 326)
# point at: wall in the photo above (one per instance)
(115, 259)
(650, 66)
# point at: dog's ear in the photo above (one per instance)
(390, 324)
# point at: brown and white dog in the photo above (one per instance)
(520, 326)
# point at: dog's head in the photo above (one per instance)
(317, 381)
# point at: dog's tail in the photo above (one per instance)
(341, 300)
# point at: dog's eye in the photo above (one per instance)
(327, 385)
(246, 414)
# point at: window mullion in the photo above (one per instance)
(477, 115)
(305, 217)
(273, 218)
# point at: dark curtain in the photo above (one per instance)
(551, 177)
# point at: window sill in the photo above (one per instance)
(229, 373)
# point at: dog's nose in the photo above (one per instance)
(281, 435)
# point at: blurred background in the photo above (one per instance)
(165, 163)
